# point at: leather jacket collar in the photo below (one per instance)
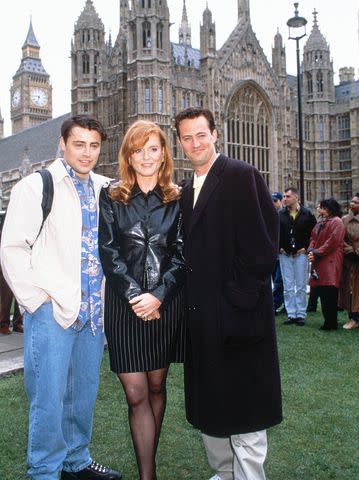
(137, 191)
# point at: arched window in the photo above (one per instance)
(147, 96)
(309, 84)
(95, 65)
(248, 129)
(174, 104)
(160, 97)
(85, 64)
(320, 82)
(159, 36)
(183, 100)
(146, 35)
(134, 36)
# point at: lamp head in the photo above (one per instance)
(297, 25)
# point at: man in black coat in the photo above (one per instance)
(232, 382)
(296, 224)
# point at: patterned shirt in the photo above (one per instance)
(91, 270)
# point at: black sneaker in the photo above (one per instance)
(94, 471)
(290, 321)
(300, 322)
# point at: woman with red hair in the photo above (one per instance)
(140, 240)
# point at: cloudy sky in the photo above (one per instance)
(53, 24)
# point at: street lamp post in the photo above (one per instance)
(347, 194)
(297, 31)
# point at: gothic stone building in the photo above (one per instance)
(144, 75)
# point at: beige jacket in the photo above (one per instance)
(51, 265)
(349, 288)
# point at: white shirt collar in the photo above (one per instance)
(198, 181)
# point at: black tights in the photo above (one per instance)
(146, 399)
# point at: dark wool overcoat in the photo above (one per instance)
(232, 382)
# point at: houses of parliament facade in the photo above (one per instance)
(143, 75)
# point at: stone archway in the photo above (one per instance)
(248, 133)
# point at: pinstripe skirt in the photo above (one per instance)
(138, 346)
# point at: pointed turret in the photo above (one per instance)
(243, 11)
(88, 53)
(208, 35)
(317, 66)
(279, 56)
(185, 29)
(124, 14)
(149, 50)
(89, 18)
(31, 54)
(30, 38)
(31, 92)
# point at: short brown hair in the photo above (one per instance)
(293, 190)
(84, 121)
(195, 112)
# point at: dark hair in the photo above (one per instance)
(84, 121)
(195, 112)
(356, 194)
(333, 207)
(292, 189)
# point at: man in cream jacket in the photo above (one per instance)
(56, 278)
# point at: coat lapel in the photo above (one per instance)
(187, 203)
(210, 184)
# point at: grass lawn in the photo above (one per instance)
(318, 439)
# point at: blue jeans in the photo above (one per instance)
(295, 271)
(61, 373)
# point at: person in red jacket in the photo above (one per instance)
(326, 256)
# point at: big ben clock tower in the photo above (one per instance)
(31, 92)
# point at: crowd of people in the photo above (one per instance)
(169, 274)
(320, 252)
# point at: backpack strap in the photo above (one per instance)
(47, 195)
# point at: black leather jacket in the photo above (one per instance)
(141, 245)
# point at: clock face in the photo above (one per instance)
(16, 97)
(39, 97)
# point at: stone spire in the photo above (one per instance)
(243, 11)
(316, 40)
(185, 29)
(279, 56)
(207, 35)
(30, 38)
(318, 74)
(31, 55)
(89, 18)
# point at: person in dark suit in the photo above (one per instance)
(232, 380)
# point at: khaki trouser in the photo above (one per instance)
(238, 457)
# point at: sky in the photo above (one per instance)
(53, 24)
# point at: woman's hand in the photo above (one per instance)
(146, 306)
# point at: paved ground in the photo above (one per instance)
(11, 353)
